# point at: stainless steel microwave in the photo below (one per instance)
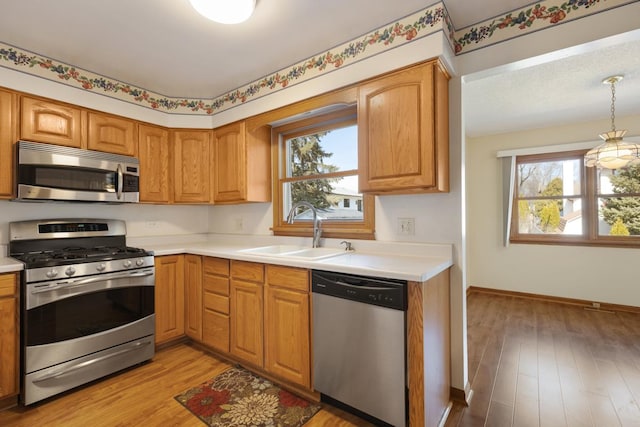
(52, 172)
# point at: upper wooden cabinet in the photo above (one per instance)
(403, 140)
(8, 136)
(52, 122)
(191, 161)
(241, 164)
(112, 134)
(153, 152)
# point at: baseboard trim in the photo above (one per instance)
(8, 402)
(592, 305)
(461, 396)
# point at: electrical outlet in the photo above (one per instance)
(238, 223)
(151, 225)
(407, 226)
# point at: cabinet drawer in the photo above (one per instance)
(288, 277)
(217, 285)
(215, 331)
(218, 266)
(251, 271)
(8, 285)
(216, 302)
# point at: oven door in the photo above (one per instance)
(77, 330)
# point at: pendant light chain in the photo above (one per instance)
(613, 105)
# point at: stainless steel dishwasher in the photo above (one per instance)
(359, 345)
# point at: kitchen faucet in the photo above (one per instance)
(316, 221)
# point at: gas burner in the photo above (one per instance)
(76, 255)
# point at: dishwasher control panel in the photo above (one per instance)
(369, 290)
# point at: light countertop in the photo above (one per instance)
(9, 265)
(394, 260)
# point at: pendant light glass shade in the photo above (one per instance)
(225, 11)
(614, 153)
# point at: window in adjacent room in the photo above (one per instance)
(558, 200)
(317, 162)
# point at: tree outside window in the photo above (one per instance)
(318, 163)
(558, 200)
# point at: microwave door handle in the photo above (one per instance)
(120, 183)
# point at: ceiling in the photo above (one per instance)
(166, 47)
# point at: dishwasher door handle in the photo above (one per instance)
(369, 288)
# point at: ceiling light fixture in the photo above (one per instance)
(614, 153)
(225, 11)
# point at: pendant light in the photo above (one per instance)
(225, 11)
(614, 153)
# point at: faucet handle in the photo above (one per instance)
(347, 246)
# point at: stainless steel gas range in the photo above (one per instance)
(87, 303)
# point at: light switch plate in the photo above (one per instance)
(407, 226)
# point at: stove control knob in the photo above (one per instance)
(70, 271)
(101, 266)
(127, 264)
(52, 273)
(139, 262)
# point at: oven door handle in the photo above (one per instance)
(94, 279)
(132, 347)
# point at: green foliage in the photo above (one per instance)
(619, 229)
(307, 159)
(549, 216)
(554, 188)
(625, 209)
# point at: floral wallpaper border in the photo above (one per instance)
(421, 24)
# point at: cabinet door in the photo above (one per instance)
(153, 151)
(396, 132)
(8, 136)
(229, 159)
(191, 166)
(287, 335)
(112, 134)
(246, 321)
(53, 123)
(193, 296)
(169, 295)
(215, 316)
(8, 336)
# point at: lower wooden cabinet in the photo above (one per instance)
(256, 313)
(287, 335)
(193, 296)
(246, 340)
(169, 297)
(215, 303)
(8, 335)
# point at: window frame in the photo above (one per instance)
(589, 195)
(364, 229)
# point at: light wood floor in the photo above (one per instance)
(531, 363)
(535, 363)
(143, 396)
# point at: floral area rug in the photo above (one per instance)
(239, 398)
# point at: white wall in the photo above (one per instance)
(588, 273)
(141, 219)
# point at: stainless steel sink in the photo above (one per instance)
(293, 251)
